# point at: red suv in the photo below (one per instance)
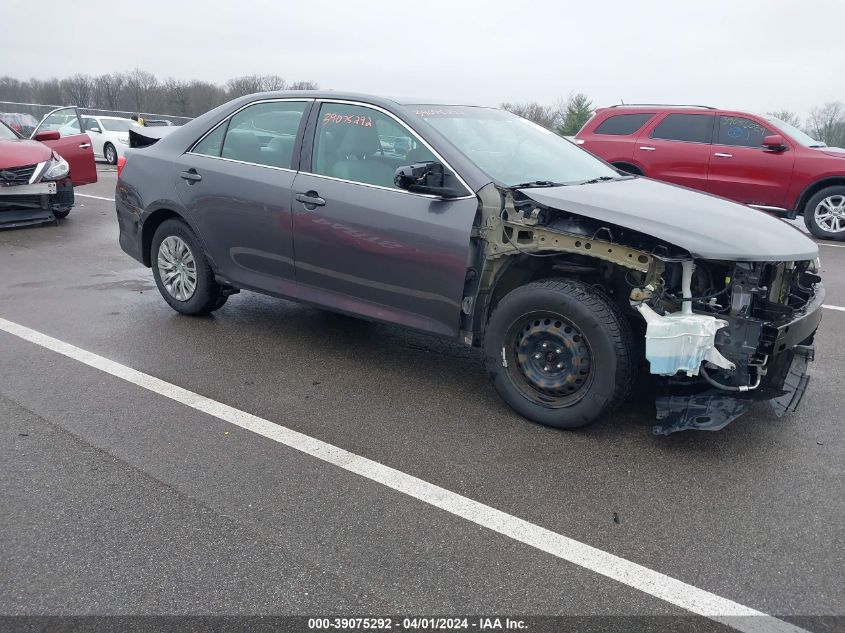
(755, 159)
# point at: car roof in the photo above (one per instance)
(658, 108)
(358, 96)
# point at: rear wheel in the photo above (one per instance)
(182, 273)
(61, 214)
(559, 352)
(824, 214)
(110, 154)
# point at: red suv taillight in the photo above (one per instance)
(121, 163)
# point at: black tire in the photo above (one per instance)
(208, 294)
(110, 156)
(591, 384)
(59, 215)
(812, 222)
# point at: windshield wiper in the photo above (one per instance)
(600, 179)
(818, 146)
(537, 183)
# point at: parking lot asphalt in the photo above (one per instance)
(118, 500)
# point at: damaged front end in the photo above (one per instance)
(721, 333)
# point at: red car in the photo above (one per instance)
(755, 159)
(37, 176)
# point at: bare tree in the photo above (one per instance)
(48, 91)
(204, 96)
(545, 116)
(787, 116)
(827, 123)
(108, 88)
(177, 96)
(12, 89)
(140, 84)
(249, 84)
(78, 90)
(304, 85)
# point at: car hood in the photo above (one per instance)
(17, 153)
(837, 152)
(706, 226)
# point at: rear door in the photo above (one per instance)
(363, 245)
(73, 146)
(742, 170)
(614, 138)
(236, 186)
(676, 149)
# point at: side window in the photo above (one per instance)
(363, 145)
(264, 134)
(740, 132)
(211, 144)
(89, 123)
(623, 124)
(691, 128)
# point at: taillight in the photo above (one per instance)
(121, 163)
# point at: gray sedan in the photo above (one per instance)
(474, 224)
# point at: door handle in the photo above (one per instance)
(311, 200)
(722, 155)
(191, 176)
(646, 148)
(85, 145)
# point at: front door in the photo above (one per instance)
(676, 149)
(74, 146)
(742, 170)
(363, 245)
(236, 183)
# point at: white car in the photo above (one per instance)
(109, 134)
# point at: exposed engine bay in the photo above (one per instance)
(720, 333)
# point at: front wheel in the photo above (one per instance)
(559, 352)
(181, 270)
(824, 214)
(110, 154)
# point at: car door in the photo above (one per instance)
(94, 128)
(364, 246)
(676, 149)
(74, 147)
(742, 169)
(235, 183)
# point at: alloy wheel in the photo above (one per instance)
(177, 268)
(829, 214)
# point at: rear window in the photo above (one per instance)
(623, 124)
(691, 128)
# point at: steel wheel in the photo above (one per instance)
(177, 268)
(829, 214)
(552, 359)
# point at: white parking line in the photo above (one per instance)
(831, 245)
(654, 583)
(840, 308)
(85, 195)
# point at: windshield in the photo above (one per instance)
(6, 134)
(794, 133)
(116, 125)
(513, 150)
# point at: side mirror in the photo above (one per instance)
(774, 143)
(94, 128)
(47, 135)
(428, 177)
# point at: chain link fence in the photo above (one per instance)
(24, 117)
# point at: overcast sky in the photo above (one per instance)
(748, 54)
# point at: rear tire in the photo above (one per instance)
(59, 215)
(824, 214)
(181, 270)
(110, 154)
(559, 352)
